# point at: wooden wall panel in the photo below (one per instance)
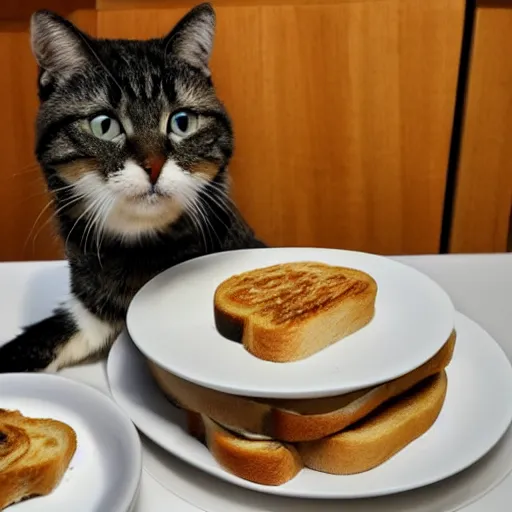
(343, 115)
(483, 196)
(26, 230)
(22, 194)
(342, 112)
(21, 10)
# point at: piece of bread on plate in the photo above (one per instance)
(34, 455)
(262, 462)
(382, 434)
(293, 420)
(290, 311)
(359, 448)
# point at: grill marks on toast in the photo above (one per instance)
(290, 311)
(283, 295)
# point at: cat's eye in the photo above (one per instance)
(183, 124)
(105, 127)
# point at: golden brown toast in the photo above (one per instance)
(34, 455)
(262, 462)
(382, 434)
(359, 448)
(290, 311)
(293, 420)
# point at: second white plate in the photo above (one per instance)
(104, 474)
(171, 321)
(476, 414)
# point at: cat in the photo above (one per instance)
(134, 145)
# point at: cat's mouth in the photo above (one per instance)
(151, 196)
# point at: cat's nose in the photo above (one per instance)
(153, 166)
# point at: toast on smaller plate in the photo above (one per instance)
(291, 311)
(34, 455)
(359, 448)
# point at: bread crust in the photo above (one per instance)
(293, 420)
(261, 462)
(36, 472)
(290, 311)
(380, 436)
(364, 446)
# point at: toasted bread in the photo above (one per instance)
(34, 455)
(293, 420)
(359, 448)
(14, 443)
(262, 462)
(290, 311)
(382, 434)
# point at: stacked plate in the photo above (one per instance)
(170, 324)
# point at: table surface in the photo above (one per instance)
(480, 287)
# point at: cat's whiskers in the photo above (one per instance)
(208, 224)
(189, 199)
(65, 187)
(209, 206)
(221, 202)
(192, 210)
(92, 219)
(93, 224)
(31, 168)
(218, 202)
(68, 203)
(91, 206)
(45, 208)
(100, 233)
(223, 190)
(103, 214)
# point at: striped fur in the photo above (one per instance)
(146, 199)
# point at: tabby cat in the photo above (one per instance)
(134, 145)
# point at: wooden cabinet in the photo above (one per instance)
(343, 113)
(481, 219)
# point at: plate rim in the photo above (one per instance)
(40, 380)
(282, 490)
(288, 393)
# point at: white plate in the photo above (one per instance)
(476, 414)
(171, 321)
(209, 494)
(105, 471)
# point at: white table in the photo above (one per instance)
(480, 286)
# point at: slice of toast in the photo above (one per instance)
(290, 311)
(37, 451)
(382, 434)
(262, 462)
(359, 448)
(293, 420)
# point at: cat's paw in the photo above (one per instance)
(15, 358)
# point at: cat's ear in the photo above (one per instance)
(60, 49)
(191, 39)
